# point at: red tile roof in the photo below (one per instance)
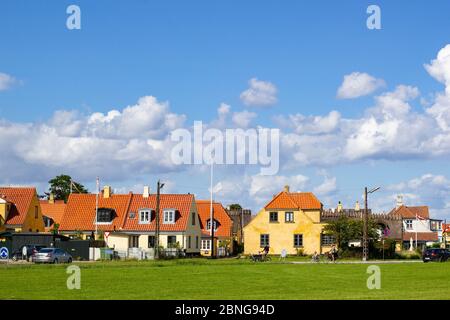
(445, 227)
(411, 212)
(294, 200)
(21, 199)
(80, 212)
(182, 203)
(421, 236)
(225, 225)
(54, 210)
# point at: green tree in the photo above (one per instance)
(61, 185)
(235, 206)
(344, 230)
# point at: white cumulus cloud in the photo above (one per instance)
(260, 94)
(358, 84)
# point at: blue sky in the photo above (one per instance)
(196, 55)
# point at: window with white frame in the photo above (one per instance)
(409, 224)
(206, 244)
(208, 225)
(169, 216)
(289, 217)
(145, 216)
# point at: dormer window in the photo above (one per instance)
(208, 225)
(105, 215)
(169, 216)
(145, 216)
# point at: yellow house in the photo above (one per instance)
(291, 222)
(20, 210)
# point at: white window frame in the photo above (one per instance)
(208, 225)
(409, 224)
(166, 216)
(149, 216)
(206, 244)
(289, 214)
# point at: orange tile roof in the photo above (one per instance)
(224, 228)
(80, 211)
(421, 236)
(294, 200)
(445, 227)
(182, 203)
(411, 212)
(21, 199)
(54, 211)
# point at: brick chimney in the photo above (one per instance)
(107, 192)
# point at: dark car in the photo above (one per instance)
(435, 254)
(32, 249)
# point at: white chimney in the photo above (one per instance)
(146, 192)
(399, 201)
(357, 207)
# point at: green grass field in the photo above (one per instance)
(225, 279)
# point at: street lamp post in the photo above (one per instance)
(158, 190)
(365, 221)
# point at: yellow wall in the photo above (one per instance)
(281, 233)
(3, 210)
(31, 222)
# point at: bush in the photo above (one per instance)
(408, 255)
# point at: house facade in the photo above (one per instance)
(291, 222)
(223, 228)
(418, 228)
(128, 221)
(20, 210)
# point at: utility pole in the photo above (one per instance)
(158, 189)
(366, 222)
(366, 216)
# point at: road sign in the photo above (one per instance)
(4, 253)
(106, 234)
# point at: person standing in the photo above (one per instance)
(24, 253)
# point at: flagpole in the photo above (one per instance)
(211, 213)
(416, 230)
(96, 206)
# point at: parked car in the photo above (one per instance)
(32, 249)
(52, 255)
(435, 254)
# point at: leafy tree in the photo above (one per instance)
(235, 206)
(344, 230)
(55, 229)
(60, 186)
